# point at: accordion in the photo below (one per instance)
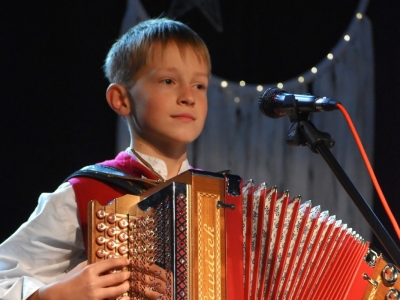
(221, 238)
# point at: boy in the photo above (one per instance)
(159, 72)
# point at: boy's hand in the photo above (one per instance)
(96, 282)
(154, 282)
(89, 282)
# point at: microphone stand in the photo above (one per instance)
(306, 133)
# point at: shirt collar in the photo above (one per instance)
(159, 165)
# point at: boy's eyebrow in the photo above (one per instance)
(175, 69)
(202, 74)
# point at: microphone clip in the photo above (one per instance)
(304, 133)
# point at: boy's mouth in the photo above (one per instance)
(184, 117)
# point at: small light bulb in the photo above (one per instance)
(330, 56)
(280, 85)
(359, 16)
(242, 83)
(259, 88)
(347, 38)
(224, 84)
(236, 99)
(301, 79)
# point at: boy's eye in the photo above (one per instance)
(201, 87)
(168, 81)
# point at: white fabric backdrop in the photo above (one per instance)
(238, 137)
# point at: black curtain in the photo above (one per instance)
(55, 120)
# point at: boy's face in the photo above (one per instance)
(169, 97)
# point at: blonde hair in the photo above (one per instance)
(130, 52)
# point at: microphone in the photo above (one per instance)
(276, 103)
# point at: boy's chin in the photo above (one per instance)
(182, 142)
(183, 138)
(188, 140)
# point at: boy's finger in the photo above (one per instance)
(148, 291)
(111, 264)
(114, 279)
(115, 291)
(158, 272)
(154, 270)
(156, 284)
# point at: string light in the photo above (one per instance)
(300, 79)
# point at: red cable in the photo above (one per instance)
(370, 170)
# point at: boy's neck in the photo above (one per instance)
(173, 158)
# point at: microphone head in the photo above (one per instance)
(266, 102)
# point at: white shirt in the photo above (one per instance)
(50, 243)
(159, 165)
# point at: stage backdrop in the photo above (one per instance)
(238, 137)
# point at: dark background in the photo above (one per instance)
(54, 118)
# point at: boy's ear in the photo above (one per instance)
(118, 99)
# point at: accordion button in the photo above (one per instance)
(100, 240)
(100, 253)
(101, 214)
(111, 244)
(123, 223)
(123, 249)
(111, 231)
(122, 236)
(111, 218)
(101, 227)
(111, 255)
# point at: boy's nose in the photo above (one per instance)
(186, 97)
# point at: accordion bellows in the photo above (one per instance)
(220, 238)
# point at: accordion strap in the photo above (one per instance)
(115, 177)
